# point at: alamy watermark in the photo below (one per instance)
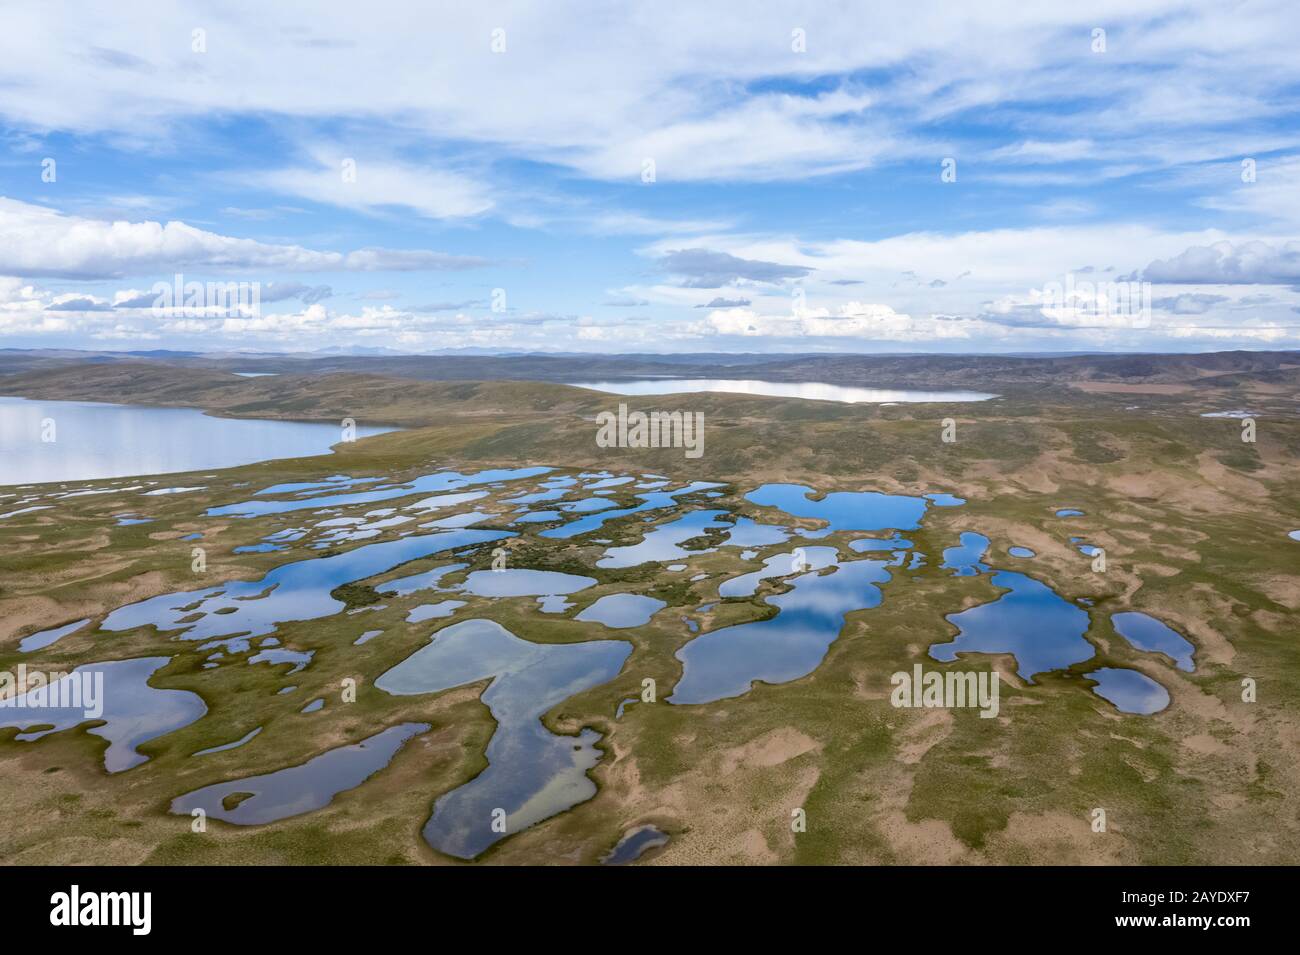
(947, 690)
(75, 907)
(654, 429)
(1109, 303)
(35, 690)
(206, 299)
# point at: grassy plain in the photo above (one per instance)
(1194, 522)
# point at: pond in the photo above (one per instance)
(663, 542)
(92, 440)
(725, 663)
(1129, 690)
(532, 773)
(1151, 635)
(39, 641)
(964, 559)
(1031, 621)
(619, 611)
(133, 712)
(780, 565)
(298, 789)
(634, 844)
(438, 481)
(844, 510)
(294, 591)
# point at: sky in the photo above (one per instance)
(650, 176)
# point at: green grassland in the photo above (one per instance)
(1193, 520)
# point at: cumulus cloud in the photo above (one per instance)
(1189, 303)
(720, 302)
(851, 321)
(36, 241)
(1230, 263)
(78, 303)
(705, 268)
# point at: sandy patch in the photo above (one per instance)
(923, 734)
(1062, 838)
(770, 749)
(1205, 745)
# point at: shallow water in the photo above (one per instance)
(298, 658)
(724, 663)
(844, 510)
(439, 481)
(39, 641)
(95, 440)
(746, 532)
(134, 712)
(1147, 633)
(662, 543)
(295, 591)
(634, 844)
(608, 482)
(798, 561)
(444, 608)
(1035, 624)
(619, 611)
(650, 501)
(945, 500)
(266, 547)
(522, 582)
(808, 390)
(299, 789)
(232, 745)
(336, 482)
(865, 545)
(1129, 690)
(964, 559)
(537, 517)
(426, 580)
(532, 773)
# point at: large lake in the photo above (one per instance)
(94, 440)
(813, 390)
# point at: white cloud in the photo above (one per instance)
(598, 94)
(857, 321)
(37, 241)
(1231, 263)
(1035, 151)
(376, 184)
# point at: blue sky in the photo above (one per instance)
(798, 200)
